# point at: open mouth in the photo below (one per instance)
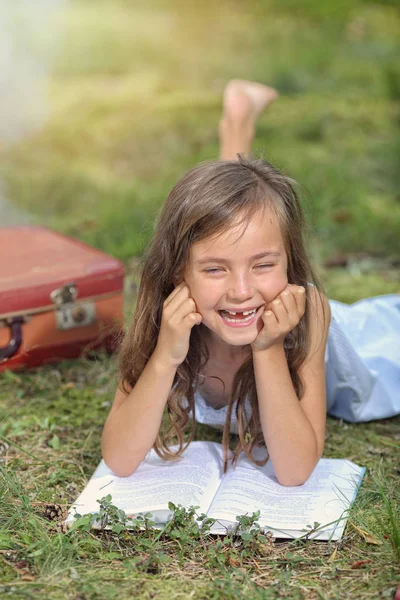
(239, 317)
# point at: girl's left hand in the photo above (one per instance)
(280, 317)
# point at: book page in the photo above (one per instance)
(323, 498)
(191, 481)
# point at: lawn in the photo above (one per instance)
(134, 94)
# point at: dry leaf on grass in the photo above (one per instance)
(367, 537)
(333, 555)
(360, 563)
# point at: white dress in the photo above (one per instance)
(362, 364)
(363, 359)
(216, 417)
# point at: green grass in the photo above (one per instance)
(135, 98)
(52, 419)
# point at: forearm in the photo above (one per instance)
(132, 428)
(288, 434)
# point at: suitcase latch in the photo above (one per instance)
(71, 314)
(65, 294)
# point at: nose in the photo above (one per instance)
(240, 288)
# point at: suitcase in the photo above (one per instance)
(59, 298)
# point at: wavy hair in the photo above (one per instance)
(207, 201)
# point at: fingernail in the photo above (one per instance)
(285, 293)
(301, 290)
(276, 302)
(268, 312)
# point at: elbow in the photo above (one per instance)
(292, 478)
(118, 462)
(118, 467)
(116, 458)
(291, 481)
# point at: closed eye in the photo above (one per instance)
(213, 270)
(265, 266)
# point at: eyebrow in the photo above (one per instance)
(212, 259)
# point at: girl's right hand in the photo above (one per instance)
(178, 317)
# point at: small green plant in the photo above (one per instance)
(310, 529)
(253, 539)
(188, 530)
(111, 517)
(245, 540)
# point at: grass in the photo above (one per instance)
(53, 426)
(135, 96)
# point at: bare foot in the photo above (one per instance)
(245, 100)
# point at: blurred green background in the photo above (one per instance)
(135, 95)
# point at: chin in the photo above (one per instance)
(242, 339)
(245, 342)
(238, 343)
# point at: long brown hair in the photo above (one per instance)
(208, 200)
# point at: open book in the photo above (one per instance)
(196, 479)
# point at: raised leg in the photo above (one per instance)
(243, 102)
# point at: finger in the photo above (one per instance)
(300, 298)
(174, 292)
(192, 319)
(280, 312)
(175, 299)
(289, 302)
(286, 289)
(269, 319)
(185, 308)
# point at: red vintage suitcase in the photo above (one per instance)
(58, 297)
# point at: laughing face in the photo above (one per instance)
(234, 275)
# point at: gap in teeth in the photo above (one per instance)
(245, 312)
(247, 316)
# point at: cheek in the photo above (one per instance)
(206, 295)
(274, 287)
(199, 299)
(194, 287)
(197, 292)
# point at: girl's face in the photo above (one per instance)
(234, 275)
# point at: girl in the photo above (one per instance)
(230, 327)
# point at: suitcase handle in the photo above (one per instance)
(16, 338)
